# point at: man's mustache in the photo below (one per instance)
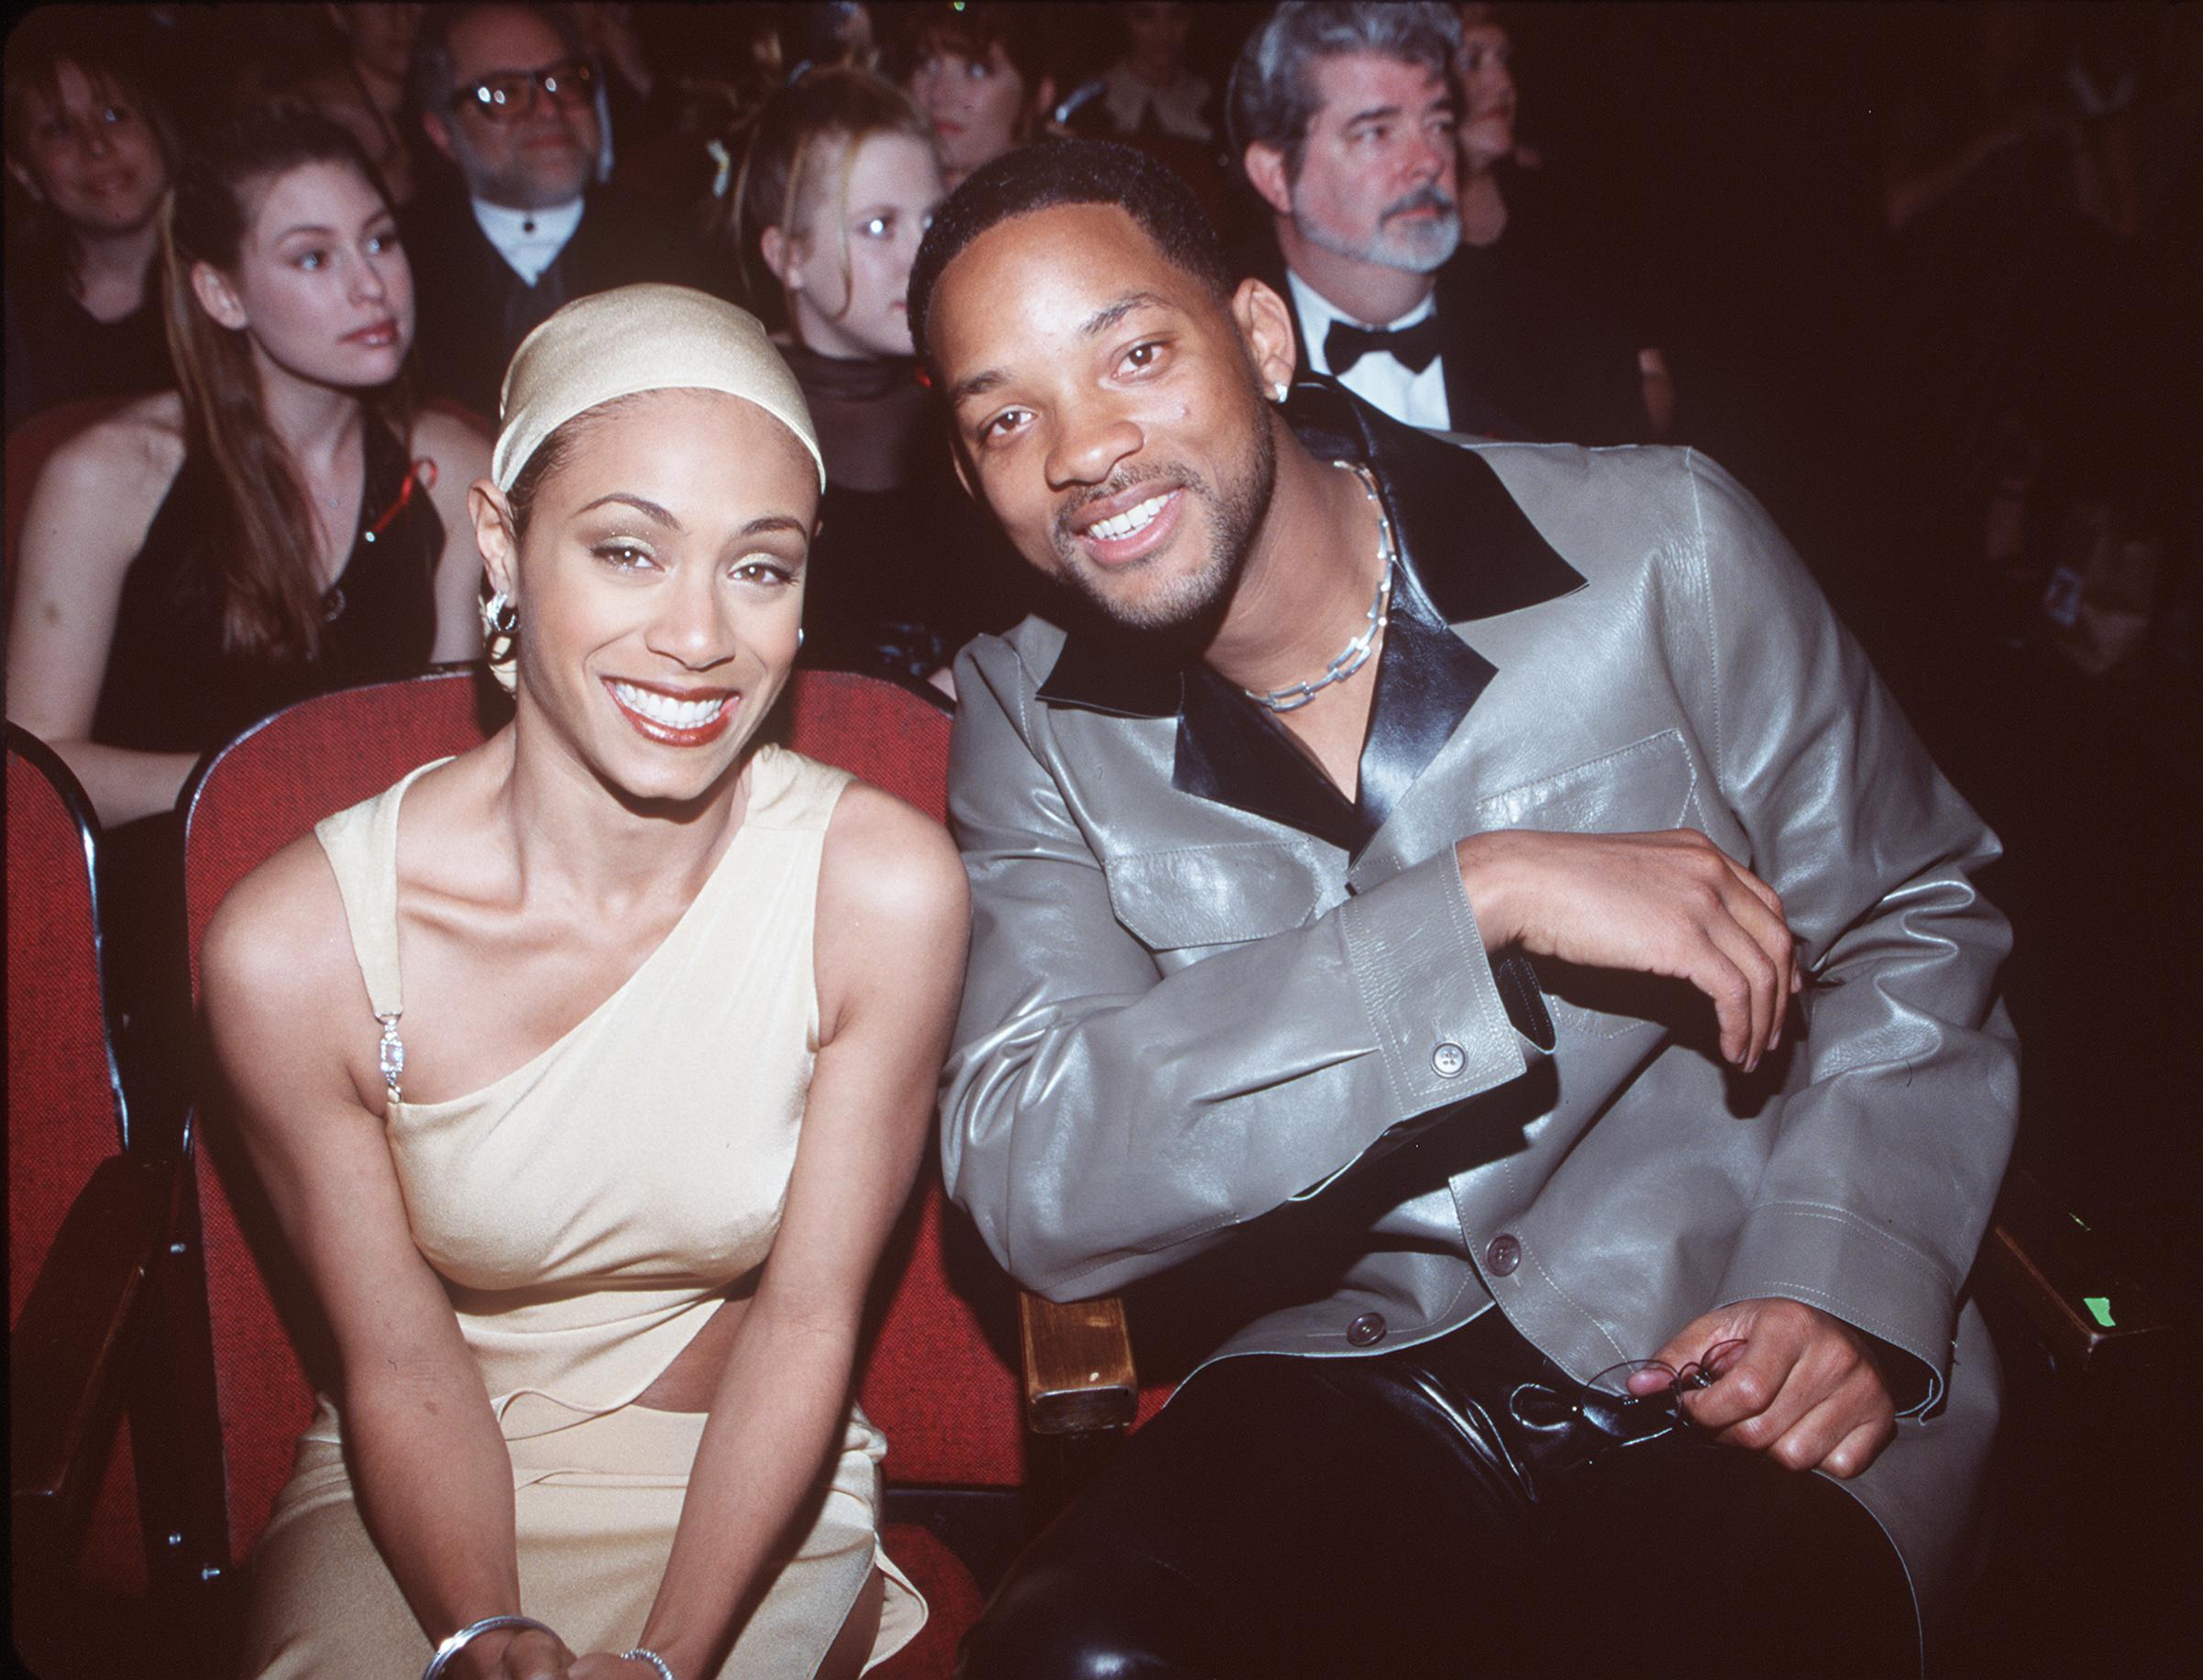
(1430, 196)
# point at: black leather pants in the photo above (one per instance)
(1393, 1516)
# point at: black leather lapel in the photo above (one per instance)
(1427, 681)
(1238, 755)
(1426, 678)
(1121, 671)
(1463, 539)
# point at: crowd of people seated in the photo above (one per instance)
(647, 352)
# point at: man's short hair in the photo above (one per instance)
(431, 81)
(1053, 172)
(1271, 98)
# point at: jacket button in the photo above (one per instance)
(1366, 1330)
(1448, 1059)
(1502, 1255)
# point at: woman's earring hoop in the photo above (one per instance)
(500, 638)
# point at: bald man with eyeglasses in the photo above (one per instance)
(511, 97)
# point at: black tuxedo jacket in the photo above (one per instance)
(474, 310)
(1526, 361)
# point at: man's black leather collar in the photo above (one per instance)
(1465, 546)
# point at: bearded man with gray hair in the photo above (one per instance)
(1343, 118)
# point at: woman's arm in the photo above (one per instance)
(89, 513)
(890, 959)
(294, 1033)
(462, 455)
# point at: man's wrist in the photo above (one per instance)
(1479, 859)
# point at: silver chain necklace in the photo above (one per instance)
(1356, 653)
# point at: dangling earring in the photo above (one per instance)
(799, 637)
(500, 638)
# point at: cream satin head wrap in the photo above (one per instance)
(638, 338)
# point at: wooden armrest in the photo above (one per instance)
(69, 1351)
(2061, 1272)
(1079, 1365)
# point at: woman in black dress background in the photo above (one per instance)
(90, 151)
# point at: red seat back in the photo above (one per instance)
(65, 1110)
(935, 1383)
(266, 789)
(946, 1401)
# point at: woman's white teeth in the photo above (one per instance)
(664, 709)
(1130, 520)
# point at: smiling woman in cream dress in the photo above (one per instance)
(587, 1072)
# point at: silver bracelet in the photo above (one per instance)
(644, 1654)
(458, 1641)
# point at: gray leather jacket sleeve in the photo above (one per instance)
(1897, 1115)
(1106, 1118)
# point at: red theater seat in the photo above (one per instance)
(84, 1224)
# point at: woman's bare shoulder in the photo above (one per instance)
(457, 444)
(143, 432)
(279, 944)
(122, 464)
(888, 859)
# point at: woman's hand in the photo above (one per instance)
(519, 1653)
(605, 1665)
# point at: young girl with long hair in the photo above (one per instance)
(837, 185)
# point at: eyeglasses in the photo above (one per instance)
(509, 95)
(1626, 1419)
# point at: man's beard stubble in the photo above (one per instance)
(520, 183)
(1190, 610)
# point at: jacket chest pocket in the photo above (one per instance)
(1191, 898)
(1645, 787)
(1648, 785)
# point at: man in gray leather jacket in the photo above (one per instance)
(1420, 877)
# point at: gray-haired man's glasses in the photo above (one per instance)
(509, 95)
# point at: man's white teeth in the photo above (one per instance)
(664, 709)
(1130, 520)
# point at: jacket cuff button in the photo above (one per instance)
(1448, 1059)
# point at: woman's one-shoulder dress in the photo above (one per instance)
(587, 1213)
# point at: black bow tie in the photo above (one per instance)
(1413, 348)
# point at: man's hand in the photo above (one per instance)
(1667, 903)
(1802, 1389)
